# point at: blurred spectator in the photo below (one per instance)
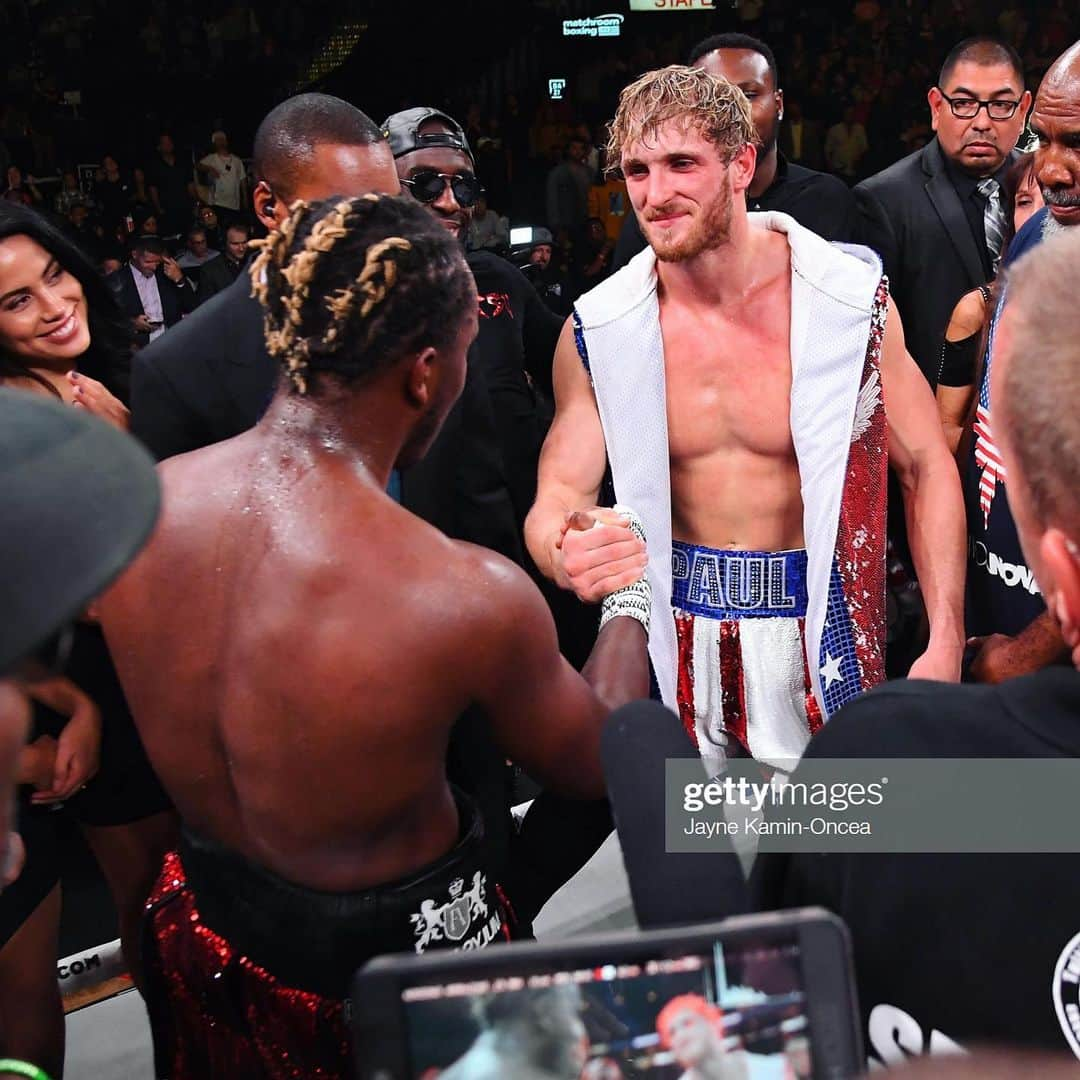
(568, 186)
(800, 137)
(140, 192)
(171, 183)
(228, 181)
(592, 257)
(846, 145)
(220, 273)
(492, 161)
(488, 229)
(20, 190)
(82, 231)
(70, 194)
(196, 255)
(207, 217)
(144, 221)
(112, 191)
(548, 280)
(609, 203)
(151, 290)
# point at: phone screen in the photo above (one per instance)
(740, 1006)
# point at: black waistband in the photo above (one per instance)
(315, 940)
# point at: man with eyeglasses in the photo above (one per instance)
(937, 217)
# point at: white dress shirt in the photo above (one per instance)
(150, 296)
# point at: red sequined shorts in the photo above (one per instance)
(248, 975)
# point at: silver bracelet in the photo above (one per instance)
(632, 601)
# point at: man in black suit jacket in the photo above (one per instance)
(820, 202)
(219, 273)
(151, 290)
(927, 215)
(211, 378)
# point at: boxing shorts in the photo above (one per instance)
(248, 974)
(744, 686)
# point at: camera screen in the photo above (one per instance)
(737, 1011)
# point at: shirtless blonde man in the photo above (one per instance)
(734, 377)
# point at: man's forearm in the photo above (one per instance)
(543, 527)
(618, 666)
(937, 533)
(1040, 643)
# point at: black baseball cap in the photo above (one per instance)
(80, 499)
(402, 131)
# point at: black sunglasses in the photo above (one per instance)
(427, 185)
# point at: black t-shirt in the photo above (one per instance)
(517, 332)
(949, 949)
(819, 202)
(114, 198)
(1002, 595)
(171, 182)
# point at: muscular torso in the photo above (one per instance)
(293, 663)
(734, 477)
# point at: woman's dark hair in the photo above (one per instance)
(1015, 175)
(110, 333)
(350, 286)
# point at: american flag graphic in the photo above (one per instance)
(987, 456)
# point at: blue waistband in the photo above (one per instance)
(738, 584)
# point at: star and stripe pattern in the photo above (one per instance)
(987, 456)
(852, 657)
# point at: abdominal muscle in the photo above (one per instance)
(737, 500)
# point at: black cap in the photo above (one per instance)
(80, 499)
(401, 129)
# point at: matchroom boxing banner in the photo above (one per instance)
(1000, 805)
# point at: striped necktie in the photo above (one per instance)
(993, 217)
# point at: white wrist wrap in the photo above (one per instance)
(633, 601)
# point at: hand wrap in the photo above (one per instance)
(633, 601)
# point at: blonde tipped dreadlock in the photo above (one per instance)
(367, 284)
(321, 316)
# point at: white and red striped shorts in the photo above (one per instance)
(744, 685)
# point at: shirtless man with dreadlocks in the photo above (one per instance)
(296, 647)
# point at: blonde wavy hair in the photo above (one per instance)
(712, 105)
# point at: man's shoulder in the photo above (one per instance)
(898, 177)
(213, 267)
(918, 718)
(494, 272)
(818, 181)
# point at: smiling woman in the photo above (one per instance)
(61, 332)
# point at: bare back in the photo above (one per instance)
(734, 476)
(296, 649)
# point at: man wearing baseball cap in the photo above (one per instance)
(513, 350)
(80, 499)
(517, 334)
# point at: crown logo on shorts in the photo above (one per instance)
(455, 888)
